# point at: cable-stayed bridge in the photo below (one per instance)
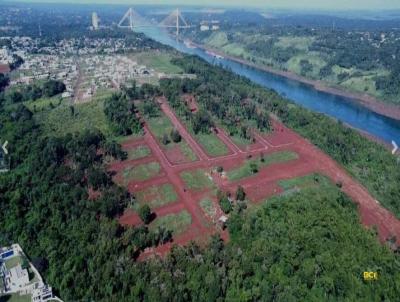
(133, 20)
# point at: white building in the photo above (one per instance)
(42, 294)
(16, 277)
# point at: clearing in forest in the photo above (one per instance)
(141, 172)
(157, 195)
(253, 166)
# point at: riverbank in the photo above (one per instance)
(373, 104)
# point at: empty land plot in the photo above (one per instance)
(141, 172)
(208, 207)
(161, 126)
(16, 298)
(246, 169)
(240, 141)
(175, 222)
(197, 180)
(82, 117)
(311, 180)
(156, 196)
(160, 61)
(211, 144)
(138, 152)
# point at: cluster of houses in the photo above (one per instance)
(109, 71)
(46, 67)
(18, 277)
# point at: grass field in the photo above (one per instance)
(158, 60)
(14, 261)
(212, 145)
(141, 172)
(217, 39)
(60, 121)
(162, 125)
(156, 196)
(16, 298)
(138, 152)
(245, 170)
(177, 223)
(307, 181)
(197, 180)
(240, 141)
(208, 207)
(300, 43)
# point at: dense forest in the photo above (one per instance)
(34, 91)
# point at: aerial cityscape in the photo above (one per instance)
(199, 152)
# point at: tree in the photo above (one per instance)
(225, 204)
(4, 80)
(253, 167)
(98, 178)
(175, 136)
(145, 213)
(240, 193)
(150, 108)
(165, 139)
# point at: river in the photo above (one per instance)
(339, 107)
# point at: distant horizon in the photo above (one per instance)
(300, 5)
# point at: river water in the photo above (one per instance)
(339, 107)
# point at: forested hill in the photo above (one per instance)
(342, 53)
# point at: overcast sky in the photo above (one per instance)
(305, 4)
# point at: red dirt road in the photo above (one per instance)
(258, 187)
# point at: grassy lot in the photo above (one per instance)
(237, 50)
(245, 170)
(177, 223)
(187, 151)
(197, 180)
(217, 39)
(139, 152)
(240, 141)
(156, 196)
(16, 298)
(121, 139)
(160, 61)
(60, 121)
(307, 181)
(141, 172)
(162, 125)
(212, 145)
(300, 43)
(208, 207)
(14, 261)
